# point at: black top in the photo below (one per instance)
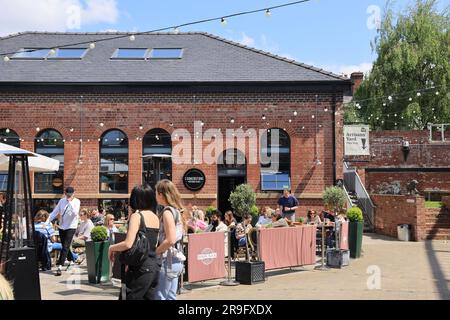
(327, 215)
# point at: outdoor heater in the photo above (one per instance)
(18, 256)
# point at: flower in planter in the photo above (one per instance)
(99, 234)
(355, 214)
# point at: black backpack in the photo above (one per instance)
(137, 254)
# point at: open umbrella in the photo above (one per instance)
(37, 162)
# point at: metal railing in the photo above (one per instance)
(353, 183)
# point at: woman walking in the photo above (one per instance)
(141, 280)
(170, 237)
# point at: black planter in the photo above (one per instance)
(250, 272)
(355, 233)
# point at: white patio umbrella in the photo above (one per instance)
(36, 162)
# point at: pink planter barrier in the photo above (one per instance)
(344, 236)
(206, 256)
(288, 247)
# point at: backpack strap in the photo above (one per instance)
(175, 213)
(142, 222)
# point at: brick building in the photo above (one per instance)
(109, 111)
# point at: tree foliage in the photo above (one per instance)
(408, 85)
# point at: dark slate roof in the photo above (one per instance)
(206, 59)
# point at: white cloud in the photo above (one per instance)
(54, 15)
(246, 40)
(364, 67)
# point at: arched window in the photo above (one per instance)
(114, 162)
(50, 143)
(10, 137)
(157, 160)
(275, 146)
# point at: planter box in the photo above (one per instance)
(355, 233)
(250, 272)
(97, 261)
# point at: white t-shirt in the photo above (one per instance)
(69, 211)
(85, 229)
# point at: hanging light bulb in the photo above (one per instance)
(71, 129)
(390, 98)
(268, 13)
(318, 162)
(52, 52)
(101, 124)
(295, 113)
(171, 124)
(64, 140)
(202, 123)
(92, 45)
(410, 99)
(132, 37)
(232, 120)
(419, 94)
(141, 127)
(7, 130)
(264, 117)
(326, 109)
(290, 120)
(6, 58)
(176, 30)
(303, 127)
(437, 93)
(384, 104)
(223, 21)
(313, 116)
(37, 129)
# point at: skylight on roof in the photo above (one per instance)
(68, 53)
(166, 53)
(129, 53)
(30, 53)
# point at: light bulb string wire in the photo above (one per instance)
(163, 29)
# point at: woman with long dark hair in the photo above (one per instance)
(141, 281)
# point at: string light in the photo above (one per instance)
(176, 30)
(232, 120)
(141, 127)
(268, 13)
(264, 117)
(71, 129)
(7, 130)
(6, 58)
(171, 124)
(290, 120)
(390, 98)
(437, 93)
(326, 109)
(132, 37)
(38, 129)
(92, 45)
(52, 52)
(410, 99)
(223, 21)
(295, 113)
(101, 124)
(419, 94)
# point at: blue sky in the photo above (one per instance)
(333, 34)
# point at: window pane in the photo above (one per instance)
(49, 182)
(33, 54)
(44, 204)
(127, 53)
(3, 181)
(10, 137)
(169, 53)
(116, 207)
(114, 182)
(66, 53)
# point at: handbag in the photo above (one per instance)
(137, 254)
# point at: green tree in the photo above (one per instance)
(410, 79)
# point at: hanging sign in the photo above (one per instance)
(356, 140)
(194, 179)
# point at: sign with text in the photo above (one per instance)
(194, 179)
(356, 140)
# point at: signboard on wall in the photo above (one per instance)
(194, 179)
(356, 140)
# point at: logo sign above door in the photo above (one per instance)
(194, 179)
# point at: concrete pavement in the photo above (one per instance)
(389, 269)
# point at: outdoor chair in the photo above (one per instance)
(42, 253)
(252, 239)
(238, 251)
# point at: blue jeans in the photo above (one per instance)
(56, 246)
(168, 280)
(242, 242)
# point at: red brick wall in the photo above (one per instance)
(392, 210)
(427, 180)
(127, 108)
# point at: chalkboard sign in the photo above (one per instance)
(194, 179)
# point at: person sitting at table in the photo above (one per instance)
(264, 216)
(96, 217)
(278, 221)
(229, 219)
(197, 222)
(312, 217)
(342, 216)
(110, 227)
(243, 228)
(328, 214)
(83, 232)
(41, 225)
(216, 223)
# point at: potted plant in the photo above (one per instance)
(254, 211)
(209, 211)
(243, 201)
(334, 198)
(97, 255)
(355, 231)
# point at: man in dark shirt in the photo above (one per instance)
(288, 203)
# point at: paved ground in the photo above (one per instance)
(389, 269)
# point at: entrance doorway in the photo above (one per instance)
(231, 171)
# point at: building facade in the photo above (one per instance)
(112, 114)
